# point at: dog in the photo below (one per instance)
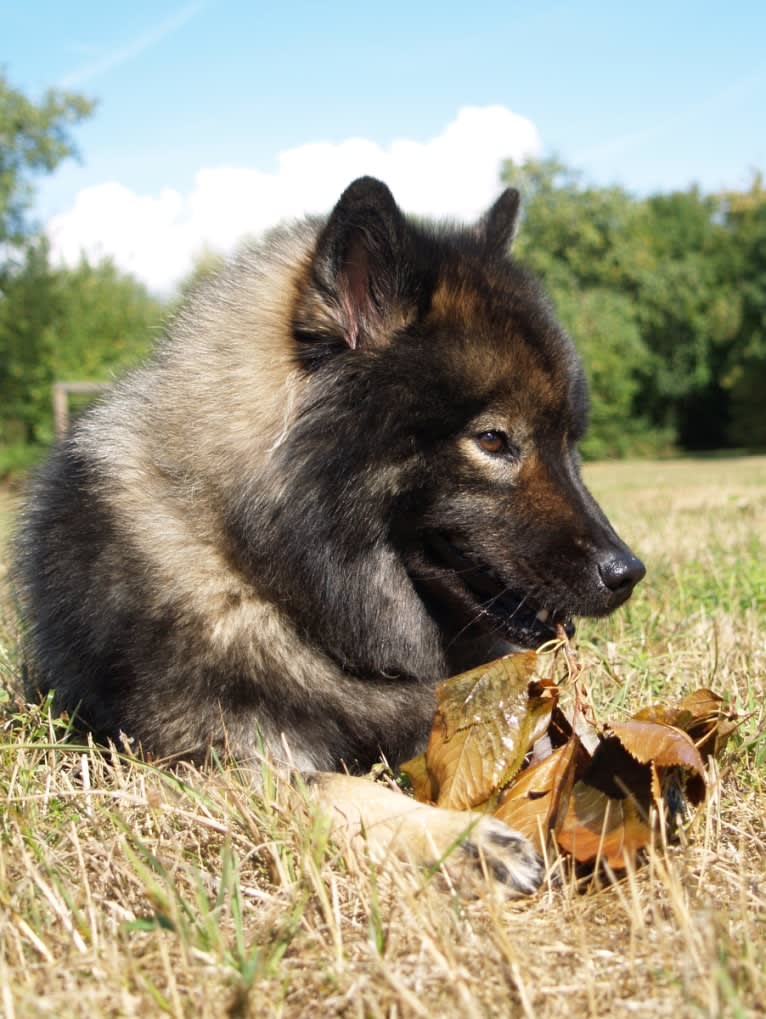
(348, 471)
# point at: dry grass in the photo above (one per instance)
(128, 891)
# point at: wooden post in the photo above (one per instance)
(61, 391)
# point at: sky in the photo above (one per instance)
(218, 118)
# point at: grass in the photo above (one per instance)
(128, 891)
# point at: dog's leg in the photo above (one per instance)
(471, 847)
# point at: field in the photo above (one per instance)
(128, 891)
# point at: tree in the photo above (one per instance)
(27, 305)
(613, 354)
(744, 376)
(88, 322)
(34, 138)
(664, 297)
(583, 233)
(585, 243)
(687, 312)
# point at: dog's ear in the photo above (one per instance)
(497, 227)
(358, 263)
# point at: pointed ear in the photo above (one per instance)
(497, 227)
(358, 262)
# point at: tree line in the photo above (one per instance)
(665, 297)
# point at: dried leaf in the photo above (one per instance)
(702, 715)
(538, 799)
(677, 767)
(663, 714)
(658, 742)
(595, 804)
(711, 724)
(597, 826)
(486, 721)
(420, 781)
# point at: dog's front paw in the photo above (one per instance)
(504, 857)
(472, 851)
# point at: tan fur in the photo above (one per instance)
(174, 525)
(383, 825)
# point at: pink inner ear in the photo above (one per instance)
(355, 288)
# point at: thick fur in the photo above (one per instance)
(250, 544)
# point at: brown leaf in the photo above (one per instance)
(663, 714)
(711, 724)
(657, 742)
(702, 714)
(606, 815)
(667, 768)
(420, 781)
(596, 826)
(486, 721)
(538, 799)
(597, 805)
(702, 704)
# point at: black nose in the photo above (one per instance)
(621, 573)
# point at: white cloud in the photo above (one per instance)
(156, 237)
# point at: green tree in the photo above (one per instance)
(34, 139)
(613, 354)
(27, 306)
(586, 244)
(648, 287)
(745, 371)
(55, 322)
(688, 316)
(574, 232)
(87, 323)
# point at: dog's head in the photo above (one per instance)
(435, 504)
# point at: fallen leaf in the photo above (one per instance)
(486, 721)
(533, 803)
(596, 802)
(420, 781)
(597, 826)
(702, 715)
(711, 724)
(664, 744)
(677, 767)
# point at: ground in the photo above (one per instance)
(125, 890)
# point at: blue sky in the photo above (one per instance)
(652, 96)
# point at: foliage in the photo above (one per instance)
(745, 377)
(500, 742)
(55, 322)
(665, 298)
(34, 138)
(614, 354)
(84, 323)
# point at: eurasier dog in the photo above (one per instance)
(349, 471)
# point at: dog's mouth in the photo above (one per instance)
(517, 616)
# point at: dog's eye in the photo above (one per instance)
(495, 443)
